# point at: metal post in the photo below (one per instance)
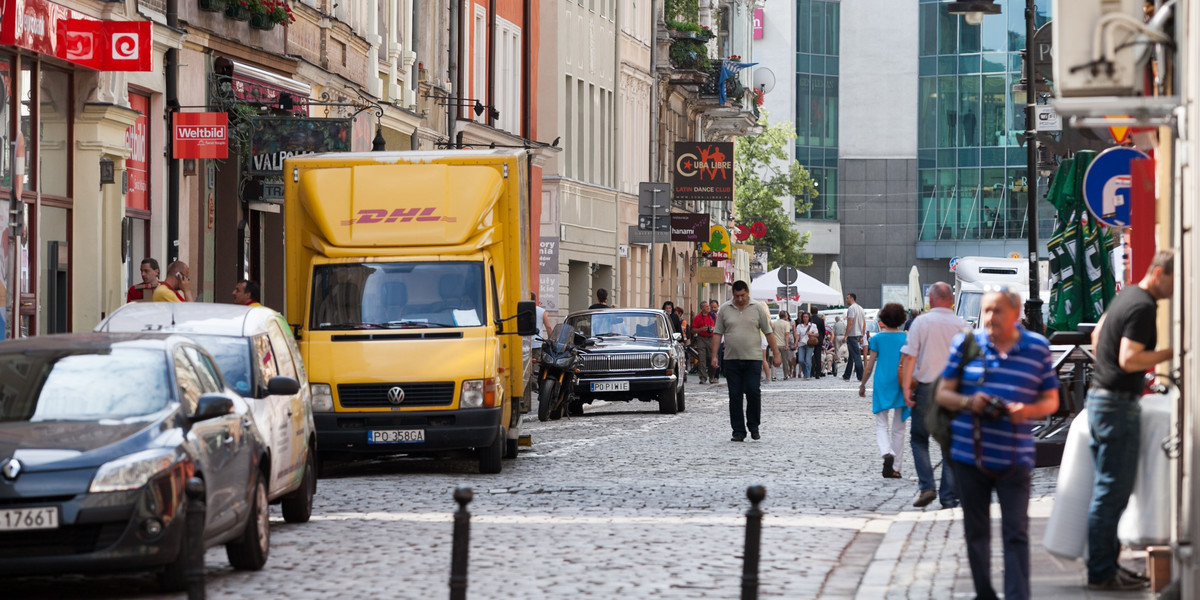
(462, 544)
(1033, 306)
(653, 239)
(194, 542)
(755, 493)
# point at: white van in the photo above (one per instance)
(974, 273)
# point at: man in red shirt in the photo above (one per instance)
(144, 291)
(702, 331)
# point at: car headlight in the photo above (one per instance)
(478, 393)
(659, 360)
(134, 471)
(322, 397)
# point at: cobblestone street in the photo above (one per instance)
(624, 503)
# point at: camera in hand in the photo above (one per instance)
(995, 409)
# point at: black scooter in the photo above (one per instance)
(560, 365)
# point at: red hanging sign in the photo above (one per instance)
(200, 135)
(55, 30)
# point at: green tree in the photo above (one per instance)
(763, 176)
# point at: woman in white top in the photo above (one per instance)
(804, 328)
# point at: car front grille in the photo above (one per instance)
(64, 541)
(375, 395)
(631, 361)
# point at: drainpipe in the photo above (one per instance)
(491, 61)
(171, 66)
(526, 78)
(452, 111)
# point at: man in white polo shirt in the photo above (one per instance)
(922, 359)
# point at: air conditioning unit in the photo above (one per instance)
(1098, 45)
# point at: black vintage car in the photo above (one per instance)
(98, 435)
(637, 355)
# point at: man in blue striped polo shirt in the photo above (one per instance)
(992, 445)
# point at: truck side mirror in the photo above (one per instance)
(527, 318)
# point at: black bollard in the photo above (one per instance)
(755, 493)
(193, 544)
(462, 544)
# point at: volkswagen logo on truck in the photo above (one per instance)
(396, 395)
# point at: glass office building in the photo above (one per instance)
(816, 119)
(972, 183)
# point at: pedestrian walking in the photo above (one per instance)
(174, 287)
(683, 324)
(817, 367)
(855, 328)
(887, 400)
(601, 299)
(144, 291)
(739, 324)
(669, 308)
(807, 340)
(997, 392)
(839, 340)
(780, 327)
(1125, 342)
(923, 358)
(543, 320)
(702, 334)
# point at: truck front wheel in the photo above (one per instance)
(491, 457)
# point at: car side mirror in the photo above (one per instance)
(527, 318)
(282, 386)
(212, 405)
(677, 336)
(581, 340)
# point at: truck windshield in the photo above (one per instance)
(397, 295)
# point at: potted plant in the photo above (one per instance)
(212, 5)
(280, 13)
(238, 10)
(260, 14)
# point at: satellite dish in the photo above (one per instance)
(764, 79)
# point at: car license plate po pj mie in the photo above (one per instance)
(24, 519)
(610, 386)
(396, 436)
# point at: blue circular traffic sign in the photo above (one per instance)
(1107, 185)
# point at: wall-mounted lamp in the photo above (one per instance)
(379, 144)
(492, 112)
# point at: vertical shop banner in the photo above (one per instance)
(136, 165)
(758, 24)
(200, 135)
(548, 273)
(689, 227)
(703, 172)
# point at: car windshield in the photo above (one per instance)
(617, 324)
(118, 384)
(969, 305)
(233, 358)
(397, 295)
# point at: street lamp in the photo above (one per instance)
(973, 13)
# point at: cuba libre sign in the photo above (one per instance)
(703, 172)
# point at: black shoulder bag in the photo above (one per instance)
(938, 420)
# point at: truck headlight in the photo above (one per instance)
(478, 393)
(322, 397)
(659, 360)
(134, 471)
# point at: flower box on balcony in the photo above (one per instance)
(262, 22)
(236, 11)
(212, 5)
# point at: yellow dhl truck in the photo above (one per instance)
(407, 282)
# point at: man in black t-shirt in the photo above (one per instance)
(1124, 343)
(818, 362)
(601, 299)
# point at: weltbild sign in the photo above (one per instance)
(200, 135)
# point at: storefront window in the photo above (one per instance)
(25, 135)
(54, 118)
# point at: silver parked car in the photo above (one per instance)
(259, 359)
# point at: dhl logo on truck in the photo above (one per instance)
(370, 216)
